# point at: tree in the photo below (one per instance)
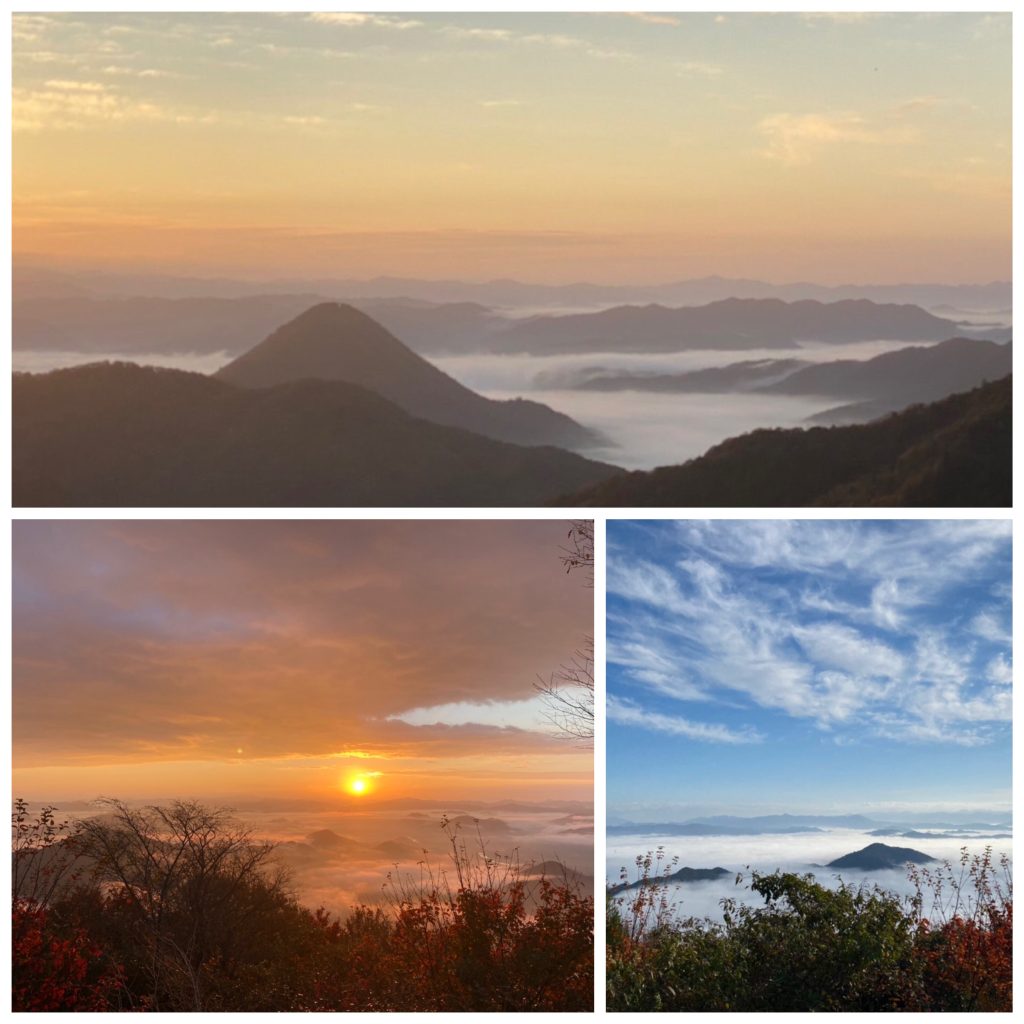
(568, 694)
(188, 884)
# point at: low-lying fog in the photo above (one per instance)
(645, 429)
(341, 859)
(800, 853)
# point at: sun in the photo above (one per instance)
(358, 786)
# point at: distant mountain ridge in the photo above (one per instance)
(883, 384)
(726, 324)
(337, 342)
(49, 282)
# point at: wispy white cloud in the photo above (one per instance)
(797, 138)
(627, 712)
(700, 68)
(354, 20)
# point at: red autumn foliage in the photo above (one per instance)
(56, 972)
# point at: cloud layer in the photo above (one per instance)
(897, 631)
(157, 642)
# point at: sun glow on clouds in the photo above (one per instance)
(287, 657)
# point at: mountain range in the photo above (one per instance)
(726, 324)
(883, 384)
(40, 281)
(954, 452)
(332, 409)
(212, 324)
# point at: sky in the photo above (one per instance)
(554, 147)
(808, 667)
(293, 661)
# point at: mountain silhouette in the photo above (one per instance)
(955, 452)
(682, 875)
(883, 384)
(897, 379)
(335, 341)
(117, 434)
(728, 324)
(879, 857)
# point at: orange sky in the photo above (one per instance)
(553, 147)
(286, 659)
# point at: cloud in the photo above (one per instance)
(795, 139)
(629, 713)
(529, 714)
(652, 19)
(988, 625)
(65, 104)
(854, 625)
(700, 69)
(352, 20)
(550, 40)
(186, 641)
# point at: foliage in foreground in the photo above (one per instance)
(812, 948)
(178, 909)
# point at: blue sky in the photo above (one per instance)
(808, 666)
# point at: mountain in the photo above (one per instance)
(895, 380)
(879, 857)
(333, 341)
(954, 453)
(682, 875)
(894, 833)
(124, 435)
(728, 324)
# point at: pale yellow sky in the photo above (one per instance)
(548, 147)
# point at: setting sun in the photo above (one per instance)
(358, 786)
